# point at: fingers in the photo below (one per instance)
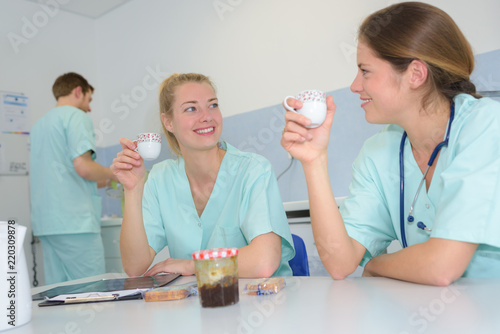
(330, 112)
(128, 158)
(127, 143)
(153, 271)
(293, 103)
(330, 105)
(291, 116)
(296, 130)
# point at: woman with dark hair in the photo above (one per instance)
(430, 179)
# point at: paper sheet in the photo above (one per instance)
(117, 294)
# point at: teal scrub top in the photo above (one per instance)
(463, 201)
(245, 203)
(62, 202)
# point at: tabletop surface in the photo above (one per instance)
(305, 305)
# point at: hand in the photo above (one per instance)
(302, 143)
(181, 266)
(128, 166)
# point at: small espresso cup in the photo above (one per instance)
(313, 106)
(149, 145)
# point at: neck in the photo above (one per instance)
(427, 128)
(203, 166)
(66, 101)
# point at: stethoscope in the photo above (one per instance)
(434, 154)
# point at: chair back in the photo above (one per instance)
(299, 264)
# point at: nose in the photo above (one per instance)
(356, 86)
(205, 115)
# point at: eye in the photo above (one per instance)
(214, 105)
(190, 109)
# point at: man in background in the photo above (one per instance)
(65, 207)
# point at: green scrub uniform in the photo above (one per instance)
(463, 201)
(62, 202)
(245, 203)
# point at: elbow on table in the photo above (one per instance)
(266, 269)
(443, 279)
(133, 271)
(340, 273)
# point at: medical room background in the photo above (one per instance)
(256, 52)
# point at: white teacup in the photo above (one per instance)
(313, 106)
(149, 145)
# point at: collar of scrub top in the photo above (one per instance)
(434, 154)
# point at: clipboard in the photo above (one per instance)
(91, 298)
(105, 289)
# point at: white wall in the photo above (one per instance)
(35, 48)
(256, 51)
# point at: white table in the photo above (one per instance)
(306, 305)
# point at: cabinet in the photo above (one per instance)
(110, 231)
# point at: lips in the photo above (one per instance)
(365, 102)
(204, 131)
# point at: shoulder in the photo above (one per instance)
(165, 168)
(246, 160)
(476, 117)
(61, 116)
(71, 116)
(383, 145)
(467, 105)
(68, 111)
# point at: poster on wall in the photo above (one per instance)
(14, 113)
(14, 134)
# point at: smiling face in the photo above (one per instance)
(380, 86)
(196, 120)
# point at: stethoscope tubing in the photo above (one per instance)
(434, 154)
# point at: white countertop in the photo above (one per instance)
(306, 305)
(111, 221)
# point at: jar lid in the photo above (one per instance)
(214, 253)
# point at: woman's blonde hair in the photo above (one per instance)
(167, 98)
(407, 31)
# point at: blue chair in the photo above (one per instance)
(299, 264)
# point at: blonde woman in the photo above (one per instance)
(212, 195)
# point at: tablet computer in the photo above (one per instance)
(105, 285)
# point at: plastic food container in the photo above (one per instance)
(217, 276)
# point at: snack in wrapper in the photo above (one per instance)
(265, 286)
(171, 292)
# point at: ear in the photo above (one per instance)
(167, 122)
(418, 73)
(77, 92)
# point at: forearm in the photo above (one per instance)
(261, 258)
(98, 173)
(339, 253)
(90, 170)
(136, 253)
(434, 262)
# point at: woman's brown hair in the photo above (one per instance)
(407, 31)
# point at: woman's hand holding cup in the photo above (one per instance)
(304, 138)
(128, 166)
